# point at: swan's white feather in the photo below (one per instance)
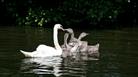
(44, 50)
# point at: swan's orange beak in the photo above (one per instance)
(62, 28)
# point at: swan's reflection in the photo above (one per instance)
(55, 66)
(48, 65)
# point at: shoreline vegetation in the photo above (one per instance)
(88, 14)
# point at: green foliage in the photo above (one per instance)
(103, 10)
(33, 18)
(71, 12)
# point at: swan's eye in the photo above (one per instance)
(61, 26)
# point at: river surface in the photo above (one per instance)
(118, 54)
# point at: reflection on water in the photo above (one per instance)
(49, 65)
(55, 65)
(118, 54)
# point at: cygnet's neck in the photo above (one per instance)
(72, 36)
(65, 40)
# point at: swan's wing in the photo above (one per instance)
(45, 50)
(43, 47)
(83, 46)
(41, 51)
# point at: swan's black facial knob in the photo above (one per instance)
(59, 26)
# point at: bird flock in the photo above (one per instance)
(76, 45)
(71, 47)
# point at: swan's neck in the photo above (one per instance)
(56, 43)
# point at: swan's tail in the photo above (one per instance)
(26, 54)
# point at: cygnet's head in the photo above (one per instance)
(69, 30)
(83, 34)
(58, 26)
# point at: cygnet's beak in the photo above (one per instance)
(87, 33)
(66, 30)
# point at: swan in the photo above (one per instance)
(75, 48)
(93, 50)
(83, 44)
(72, 40)
(77, 45)
(82, 35)
(90, 49)
(93, 47)
(65, 47)
(44, 50)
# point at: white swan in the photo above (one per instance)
(44, 50)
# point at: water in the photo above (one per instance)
(118, 54)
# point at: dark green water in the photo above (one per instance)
(118, 54)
